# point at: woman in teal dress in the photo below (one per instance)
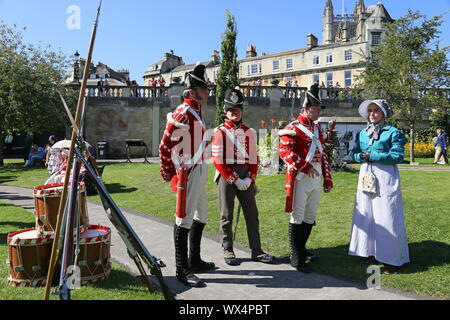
(378, 228)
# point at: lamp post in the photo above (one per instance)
(76, 67)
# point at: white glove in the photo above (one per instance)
(241, 185)
(248, 182)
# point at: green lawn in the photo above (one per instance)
(426, 201)
(120, 285)
(424, 162)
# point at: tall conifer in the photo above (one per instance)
(227, 77)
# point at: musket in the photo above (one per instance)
(67, 257)
(79, 112)
(136, 249)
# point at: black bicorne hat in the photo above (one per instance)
(196, 78)
(233, 98)
(310, 99)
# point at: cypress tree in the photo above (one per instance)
(227, 77)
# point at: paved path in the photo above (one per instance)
(249, 281)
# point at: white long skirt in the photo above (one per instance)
(378, 227)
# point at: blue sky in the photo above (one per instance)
(134, 34)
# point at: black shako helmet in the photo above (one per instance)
(233, 98)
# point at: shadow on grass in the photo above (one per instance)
(119, 188)
(423, 256)
(119, 279)
(18, 167)
(427, 254)
(5, 179)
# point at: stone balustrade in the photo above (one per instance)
(269, 92)
(250, 92)
(126, 91)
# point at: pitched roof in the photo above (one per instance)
(380, 11)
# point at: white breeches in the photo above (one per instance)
(307, 197)
(196, 200)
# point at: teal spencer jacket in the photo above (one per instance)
(388, 149)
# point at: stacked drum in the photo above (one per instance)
(30, 250)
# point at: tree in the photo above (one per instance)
(30, 78)
(409, 69)
(227, 77)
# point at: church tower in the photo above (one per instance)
(360, 17)
(328, 22)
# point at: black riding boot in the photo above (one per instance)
(293, 241)
(302, 238)
(308, 227)
(184, 274)
(196, 264)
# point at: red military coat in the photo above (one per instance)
(182, 138)
(226, 153)
(295, 145)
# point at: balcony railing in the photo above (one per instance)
(127, 91)
(249, 92)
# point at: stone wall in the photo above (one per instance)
(115, 119)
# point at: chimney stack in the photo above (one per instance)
(251, 51)
(311, 41)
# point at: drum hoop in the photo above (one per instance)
(42, 239)
(97, 239)
(42, 191)
(48, 195)
(27, 283)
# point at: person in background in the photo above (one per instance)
(378, 228)
(51, 153)
(59, 175)
(37, 153)
(441, 146)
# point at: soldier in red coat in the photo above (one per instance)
(183, 146)
(302, 148)
(234, 154)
